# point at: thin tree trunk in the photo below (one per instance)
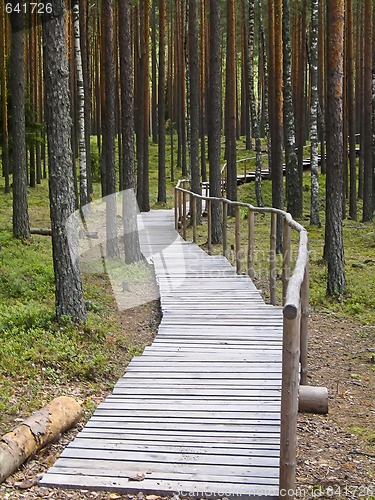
(129, 208)
(277, 166)
(351, 114)
(367, 115)
(293, 181)
(214, 118)
(314, 207)
(154, 82)
(194, 103)
(4, 98)
(254, 115)
(21, 225)
(230, 104)
(110, 131)
(202, 93)
(334, 245)
(162, 194)
(83, 188)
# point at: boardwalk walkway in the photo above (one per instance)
(199, 410)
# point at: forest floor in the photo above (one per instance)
(336, 453)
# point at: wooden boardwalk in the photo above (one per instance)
(199, 411)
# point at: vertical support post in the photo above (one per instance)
(244, 170)
(179, 218)
(184, 216)
(250, 244)
(193, 202)
(225, 228)
(286, 258)
(209, 227)
(304, 325)
(175, 209)
(289, 404)
(273, 259)
(238, 238)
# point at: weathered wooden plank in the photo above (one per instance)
(157, 475)
(161, 488)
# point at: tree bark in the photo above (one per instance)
(162, 193)
(314, 206)
(195, 184)
(334, 245)
(36, 432)
(253, 112)
(4, 98)
(230, 104)
(351, 114)
(69, 295)
(83, 188)
(293, 180)
(21, 225)
(129, 208)
(367, 115)
(110, 130)
(214, 119)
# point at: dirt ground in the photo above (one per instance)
(336, 453)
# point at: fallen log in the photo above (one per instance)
(312, 399)
(43, 427)
(48, 232)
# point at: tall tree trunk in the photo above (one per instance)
(194, 102)
(85, 44)
(322, 82)
(293, 180)
(277, 163)
(129, 209)
(334, 245)
(21, 226)
(83, 188)
(69, 295)
(162, 194)
(110, 131)
(314, 206)
(230, 104)
(367, 115)
(202, 92)
(154, 101)
(4, 97)
(254, 115)
(214, 118)
(351, 113)
(170, 88)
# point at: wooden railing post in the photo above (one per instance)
(193, 202)
(250, 244)
(289, 405)
(304, 329)
(286, 258)
(238, 238)
(209, 227)
(184, 215)
(179, 204)
(175, 209)
(273, 259)
(225, 229)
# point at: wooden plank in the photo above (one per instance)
(159, 475)
(162, 488)
(172, 447)
(171, 458)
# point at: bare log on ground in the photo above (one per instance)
(43, 427)
(312, 399)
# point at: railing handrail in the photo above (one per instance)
(295, 311)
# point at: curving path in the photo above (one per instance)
(199, 410)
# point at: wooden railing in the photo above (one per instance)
(295, 299)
